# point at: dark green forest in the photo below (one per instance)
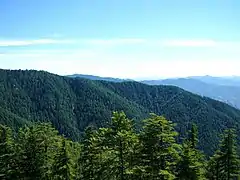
(72, 104)
(117, 151)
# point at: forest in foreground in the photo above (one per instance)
(115, 152)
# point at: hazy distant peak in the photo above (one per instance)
(98, 78)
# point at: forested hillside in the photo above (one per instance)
(116, 152)
(72, 104)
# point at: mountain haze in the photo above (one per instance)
(225, 93)
(91, 77)
(224, 81)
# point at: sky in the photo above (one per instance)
(138, 39)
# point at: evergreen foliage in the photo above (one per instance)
(225, 164)
(192, 163)
(7, 153)
(115, 152)
(62, 166)
(72, 104)
(160, 150)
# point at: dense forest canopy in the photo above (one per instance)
(116, 152)
(72, 104)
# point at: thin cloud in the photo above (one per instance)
(105, 44)
(9, 43)
(161, 42)
(189, 43)
(98, 42)
(119, 41)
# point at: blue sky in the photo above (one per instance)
(126, 39)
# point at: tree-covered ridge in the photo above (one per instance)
(72, 104)
(115, 152)
(183, 108)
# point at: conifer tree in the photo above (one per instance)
(191, 165)
(160, 150)
(123, 141)
(193, 136)
(225, 164)
(214, 167)
(8, 165)
(115, 152)
(109, 153)
(88, 161)
(228, 148)
(35, 148)
(62, 168)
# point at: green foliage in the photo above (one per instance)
(34, 145)
(160, 150)
(62, 167)
(193, 136)
(116, 152)
(7, 153)
(183, 108)
(122, 141)
(214, 167)
(109, 153)
(192, 163)
(88, 161)
(72, 104)
(225, 163)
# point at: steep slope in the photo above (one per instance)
(71, 104)
(12, 120)
(225, 93)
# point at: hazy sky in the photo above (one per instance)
(122, 38)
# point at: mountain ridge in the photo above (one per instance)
(99, 78)
(225, 93)
(72, 104)
(224, 89)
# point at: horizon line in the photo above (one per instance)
(136, 78)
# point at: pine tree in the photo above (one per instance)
(123, 141)
(160, 150)
(35, 148)
(229, 157)
(214, 168)
(88, 161)
(7, 154)
(109, 153)
(191, 165)
(193, 136)
(74, 150)
(225, 164)
(62, 168)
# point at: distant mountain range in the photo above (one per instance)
(222, 89)
(91, 77)
(224, 81)
(225, 89)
